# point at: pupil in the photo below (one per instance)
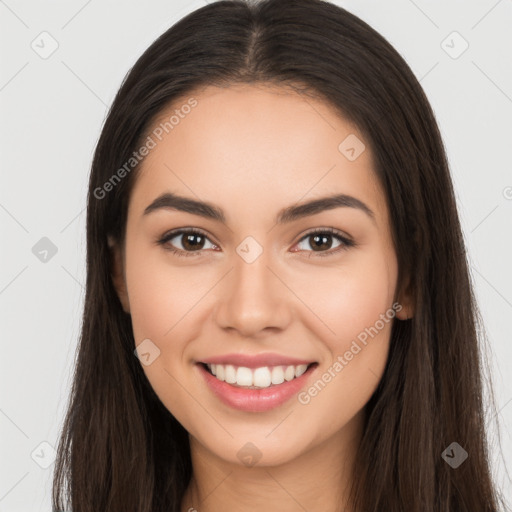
(191, 245)
(322, 239)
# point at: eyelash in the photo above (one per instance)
(346, 242)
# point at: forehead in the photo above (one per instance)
(251, 148)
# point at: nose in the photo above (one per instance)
(253, 298)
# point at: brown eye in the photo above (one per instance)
(321, 241)
(185, 242)
(192, 241)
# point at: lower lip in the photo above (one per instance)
(255, 400)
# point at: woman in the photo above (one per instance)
(279, 314)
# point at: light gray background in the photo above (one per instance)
(52, 111)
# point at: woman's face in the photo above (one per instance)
(254, 280)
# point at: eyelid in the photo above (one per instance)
(169, 235)
(327, 229)
(346, 241)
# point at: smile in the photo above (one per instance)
(256, 378)
(256, 389)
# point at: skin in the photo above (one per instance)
(253, 150)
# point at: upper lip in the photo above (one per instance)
(256, 361)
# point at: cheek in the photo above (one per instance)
(165, 306)
(162, 300)
(350, 298)
(162, 295)
(150, 300)
(358, 309)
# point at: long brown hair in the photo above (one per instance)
(121, 449)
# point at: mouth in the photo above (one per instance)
(257, 389)
(256, 378)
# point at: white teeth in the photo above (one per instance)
(230, 374)
(244, 376)
(220, 372)
(300, 369)
(289, 373)
(262, 377)
(277, 375)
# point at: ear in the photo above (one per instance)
(406, 300)
(117, 273)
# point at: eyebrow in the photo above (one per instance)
(207, 210)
